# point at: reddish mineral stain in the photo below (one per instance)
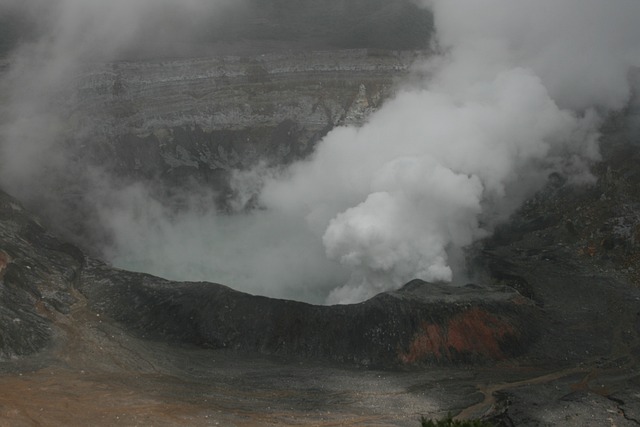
(473, 331)
(5, 259)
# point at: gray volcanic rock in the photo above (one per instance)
(421, 323)
(572, 249)
(391, 330)
(37, 273)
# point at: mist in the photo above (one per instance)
(512, 92)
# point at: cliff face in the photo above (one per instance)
(153, 117)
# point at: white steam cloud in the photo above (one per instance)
(393, 198)
(515, 94)
(517, 90)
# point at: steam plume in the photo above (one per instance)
(516, 94)
(516, 91)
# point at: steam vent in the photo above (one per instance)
(358, 213)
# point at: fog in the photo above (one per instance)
(514, 91)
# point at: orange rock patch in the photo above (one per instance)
(5, 259)
(472, 332)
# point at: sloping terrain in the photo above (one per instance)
(551, 335)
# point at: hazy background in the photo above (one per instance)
(145, 28)
(514, 91)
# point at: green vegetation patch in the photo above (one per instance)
(448, 421)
